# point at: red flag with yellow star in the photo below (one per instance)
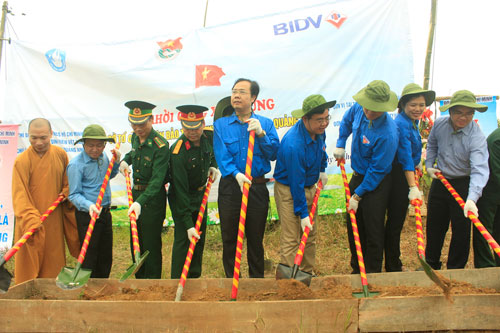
(208, 75)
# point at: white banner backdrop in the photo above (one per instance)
(333, 49)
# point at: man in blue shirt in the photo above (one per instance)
(458, 148)
(373, 147)
(301, 162)
(85, 175)
(231, 136)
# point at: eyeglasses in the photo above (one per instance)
(321, 121)
(96, 146)
(239, 92)
(462, 114)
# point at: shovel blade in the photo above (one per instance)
(438, 280)
(365, 293)
(134, 267)
(72, 278)
(286, 272)
(5, 278)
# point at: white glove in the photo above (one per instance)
(241, 179)
(136, 208)
(353, 204)
(324, 178)
(339, 153)
(93, 209)
(470, 206)
(124, 166)
(117, 155)
(192, 233)
(254, 125)
(214, 173)
(414, 193)
(432, 172)
(306, 222)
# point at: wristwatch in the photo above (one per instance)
(262, 134)
(356, 197)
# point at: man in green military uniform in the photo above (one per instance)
(192, 161)
(149, 157)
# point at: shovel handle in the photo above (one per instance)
(417, 203)
(30, 232)
(192, 245)
(133, 219)
(243, 215)
(493, 244)
(357, 242)
(300, 253)
(100, 196)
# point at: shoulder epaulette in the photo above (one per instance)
(159, 142)
(177, 147)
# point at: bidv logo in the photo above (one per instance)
(56, 59)
(334, 18)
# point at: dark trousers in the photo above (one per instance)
(370, 218)
(229, 203)
(99, 256)
(489, 215)
(396, 215)
(442, 208)
(181, 247)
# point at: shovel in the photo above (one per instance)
(361, 262)
(189, 256)
(5, 276)
(138, 259)
(243, 216)
(73, 278)
(491, 241)
(286, 272)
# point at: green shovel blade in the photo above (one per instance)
(135, 266)
(73, 278)
(5, 278)
(365, 293)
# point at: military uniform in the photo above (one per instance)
(150, 161)
(189, 168)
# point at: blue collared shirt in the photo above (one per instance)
(373, 147)
(459, 154)
(231, 145)
(410, 143)
(85, 177)
(300, 160)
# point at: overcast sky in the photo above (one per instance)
(465, 55)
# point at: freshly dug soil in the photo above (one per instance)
(284, 290)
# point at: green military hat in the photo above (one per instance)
(139, 111)
(464, 98)
(412, 90)
(192, 116)
(313, 103)
(223, 108)
(377, 96)
(94, 131)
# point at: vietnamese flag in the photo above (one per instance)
(208, 75)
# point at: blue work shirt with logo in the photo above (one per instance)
(373, 147)
(300, 160)
(410, 142)
(231, 146)
(85, 177)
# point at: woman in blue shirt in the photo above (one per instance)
(411, 105)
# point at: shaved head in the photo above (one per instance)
(38, 123)
(40, 133)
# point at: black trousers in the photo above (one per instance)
(99, 257)
(442, 208)
(229, 203)
(370, 218)
(396, 214)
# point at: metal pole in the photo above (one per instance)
(205, 19)
(2, 28)
(430, 43)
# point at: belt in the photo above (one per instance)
(105, 210)
(259, 180)
(354, 173)
(201, 188)
(140, 187)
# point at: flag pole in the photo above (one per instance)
(430, 43)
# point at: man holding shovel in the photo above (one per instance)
(149, 158)
(373, 147)
(86, 174)
(456, 148)
(300, 164)
(38, 178)
(192, 161)
(231, 137)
